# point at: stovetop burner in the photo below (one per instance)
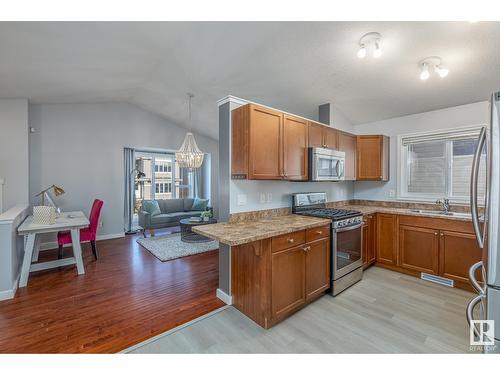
(330, 213)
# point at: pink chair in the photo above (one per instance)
(86, 234)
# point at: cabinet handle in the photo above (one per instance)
(290, 240)
(435, 233)
(319, 232)
(306, 249)
(442, 234)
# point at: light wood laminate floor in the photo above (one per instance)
(386, 312)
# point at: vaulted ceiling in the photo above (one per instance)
(292, 66)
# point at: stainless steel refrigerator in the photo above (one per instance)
(486, 227)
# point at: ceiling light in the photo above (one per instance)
(377, 52)
(189, 155)
(432, 64)
(424, 75)
(370, 41)
(361, 52)
(442, 72)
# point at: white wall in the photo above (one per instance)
(14, 159)
(448, 118)
(80, 147)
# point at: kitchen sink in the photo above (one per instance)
(443, 213)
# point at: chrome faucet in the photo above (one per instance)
(446, 205)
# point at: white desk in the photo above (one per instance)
(32, 231)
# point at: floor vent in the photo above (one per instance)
(436, 279)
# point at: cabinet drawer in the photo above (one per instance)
(313, 234)
(288, 240)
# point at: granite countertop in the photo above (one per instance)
(234, 234)
(368, 210)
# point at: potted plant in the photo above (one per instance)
(206, 215)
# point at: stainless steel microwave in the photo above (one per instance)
(326, 164)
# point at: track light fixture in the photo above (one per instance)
(369, 40)
(432, 63)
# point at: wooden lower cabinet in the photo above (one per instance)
(418, 249)
(288, 281)
(369, 241)
(317, 268)
(269, 282)
(457, 252)
(387, 239)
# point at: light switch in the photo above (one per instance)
(242, 199)
(262, 198)
(392, 193)
(269, 197)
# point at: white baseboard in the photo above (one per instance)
(9, 293)
(224, 297)
(53, 244)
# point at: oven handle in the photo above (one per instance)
(345, 229)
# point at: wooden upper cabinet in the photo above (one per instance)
(330, 137)
(317, 268)
(372, 162)
(322, 136)
(347, 143)
(418, 249)
(315, 135)
(387, 239)
(268, 145)
(295, 143)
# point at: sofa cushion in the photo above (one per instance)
(188, 204)
(152, 207)
(164, 219)
(199, 204)
(168, 206)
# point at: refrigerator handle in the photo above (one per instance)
(473, 188)
(470, 311)
(472, 277)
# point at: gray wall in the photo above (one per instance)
(443, 119)
(14, 159)
(80, 147)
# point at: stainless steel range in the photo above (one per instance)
(346, 236)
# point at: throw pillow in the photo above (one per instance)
(152, 207)
(199, 204)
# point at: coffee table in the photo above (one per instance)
(187, 235)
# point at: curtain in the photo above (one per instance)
(197, 175)
(129, 163)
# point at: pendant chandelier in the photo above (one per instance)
(189, 155)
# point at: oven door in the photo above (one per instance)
(327, 168)
(346, 250)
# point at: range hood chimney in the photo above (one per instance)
(324, 113)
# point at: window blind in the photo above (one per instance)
(445, 136)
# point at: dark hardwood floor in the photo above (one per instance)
(125, 297)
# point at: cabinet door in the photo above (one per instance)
(372, 157)
(419, 249)
(315, 135)
(387, 239)
(457, 252)
(369, 240)
(347, 143)
(317, 267)
(288, 281)
(265, 148)
(330, 137)
(295, 148)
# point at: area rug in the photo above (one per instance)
(171, 247)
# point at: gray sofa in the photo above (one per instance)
(172, 211)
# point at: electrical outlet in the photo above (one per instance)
(392, 193)
(100, 224)
(269, 197)
(262, 197)
(242, 199)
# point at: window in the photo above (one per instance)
(438, 165)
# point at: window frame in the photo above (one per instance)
(403, 167)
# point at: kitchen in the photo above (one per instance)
(276, 261)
